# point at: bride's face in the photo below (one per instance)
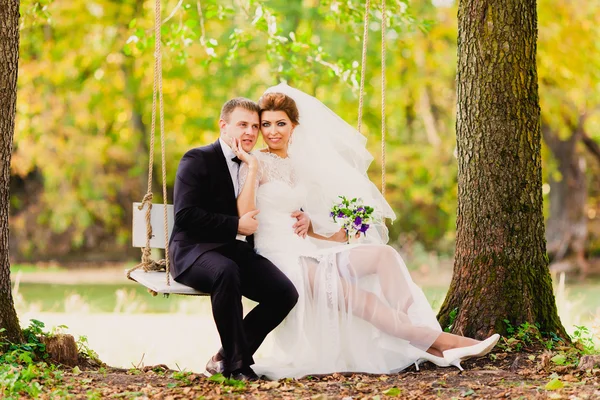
(276, 129)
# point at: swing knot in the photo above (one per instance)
(146, 200)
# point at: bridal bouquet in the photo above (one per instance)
(352, 215)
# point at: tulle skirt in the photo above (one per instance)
(358, 311)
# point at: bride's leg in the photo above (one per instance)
(447, 341)
(382, 261)
(369, 307)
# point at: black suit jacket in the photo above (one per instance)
(206, 215)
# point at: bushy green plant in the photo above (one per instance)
(84, 349)
(527, 335)
(452, 316)
(583, 340)
(23, 371)
(233, 383)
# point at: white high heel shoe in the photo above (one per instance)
(425, 356)
(455, 356)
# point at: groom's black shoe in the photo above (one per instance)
(214, 367)
(244, 374)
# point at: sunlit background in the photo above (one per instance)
(82, 137)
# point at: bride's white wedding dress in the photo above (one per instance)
(358, 309)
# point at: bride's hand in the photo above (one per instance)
(342, 236)
(236, 146)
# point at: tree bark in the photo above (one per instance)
(9, 61)
(62, 349)
(501, 267)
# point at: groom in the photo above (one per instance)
(212, 248)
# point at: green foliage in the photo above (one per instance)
(85, 96)
(233, 383)
(554, 384)
(583, 339)
(183, 377)
(84, 349)
(392, 392)
(93, 394)
(527, 335)
(31, 350)
(35, 12)
(22, 369)
(452, 318)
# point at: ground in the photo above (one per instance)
(514, 375)
(529, 374)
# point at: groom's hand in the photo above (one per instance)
(247, 224)
(301, 226)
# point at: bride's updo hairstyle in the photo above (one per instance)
(280, 102)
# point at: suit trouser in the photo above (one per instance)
(228, 273)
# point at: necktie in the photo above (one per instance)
(236, 160)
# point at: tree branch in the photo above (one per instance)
(591, 145)
(551, 138)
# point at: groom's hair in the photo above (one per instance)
(240, 102)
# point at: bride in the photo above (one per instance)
(358, 309)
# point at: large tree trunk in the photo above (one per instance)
(501, 269)
(9, 61)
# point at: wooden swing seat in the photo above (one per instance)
(156, 280)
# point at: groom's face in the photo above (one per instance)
(242, 124)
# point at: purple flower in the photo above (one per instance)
(360, 209)
(331, 214)
(340, 214)
(357, 221)
(364, 228)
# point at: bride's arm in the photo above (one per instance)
(248, 179)
(340, 236)
(246, 200)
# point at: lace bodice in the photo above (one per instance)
(278, 195)
(271, 168)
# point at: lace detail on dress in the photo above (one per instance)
(243, 174)
(271, 168)
(274, 168)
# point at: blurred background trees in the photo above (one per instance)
(85, 96)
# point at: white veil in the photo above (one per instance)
(331, 159)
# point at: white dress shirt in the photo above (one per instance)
(234, 170)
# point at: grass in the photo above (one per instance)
(35, 268)
(92, 298)
(577, 302)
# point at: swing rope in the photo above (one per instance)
(383, 81)
(147, 264)
(383, 85)
(363, 64)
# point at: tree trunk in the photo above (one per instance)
(62, 349)
(501, 268)
(9, 61)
